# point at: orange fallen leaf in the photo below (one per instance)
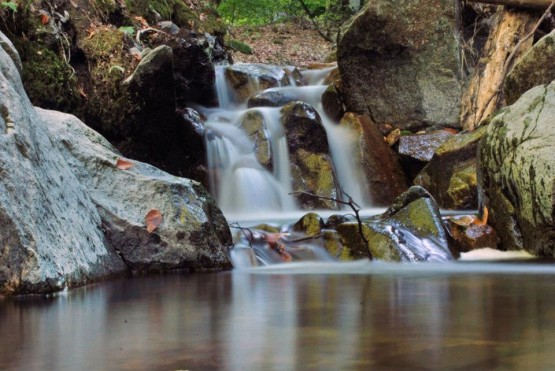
(44, 18)
(123, 164)
(153, 219)
(484, 219)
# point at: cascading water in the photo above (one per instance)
(239, 181)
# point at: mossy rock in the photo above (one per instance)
(239, 46)
(310, 224)
(380, 243)
(334, 246)
(48, 80)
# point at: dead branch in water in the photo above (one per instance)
(243, 230)
(352, 204)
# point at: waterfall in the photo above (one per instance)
(241, 183)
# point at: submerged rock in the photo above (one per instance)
(536, 67)
(399, 69)
(193, 232)
(451, 174)
(517, 165)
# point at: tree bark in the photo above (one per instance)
(484, 92)
(531, 4)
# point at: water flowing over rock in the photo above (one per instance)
(517, 165)
(379, 165)
(247, 79)
(50, 230)
(312, 170)
(536, 67)
(255, 127)
(401, 70)
(451, 174)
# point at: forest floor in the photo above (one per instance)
(295, 44)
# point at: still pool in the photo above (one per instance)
(358, 316)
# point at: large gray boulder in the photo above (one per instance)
(536, 67)
(399, 63)
(193, 232)
(517, 163)
(50, 230)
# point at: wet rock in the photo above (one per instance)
(336, 219)
(50, 229)
(189, 150)
(270, 98)
(421, 147)
(193, 233)
(399, 69)
(451, 174)
(254, 126)
(332, 103)
(313, 173)
(334, 246)
(380, 166)
(193, 65)
(311, 167)
(417, 149)
(247, 79)
(536, 67)
(153, 88)
(473, 236)
(295, 75)
(516, 172)
(310, 224)
(410, 230)
(381, 244)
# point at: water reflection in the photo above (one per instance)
(240, 321)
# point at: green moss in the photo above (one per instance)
(309, 224)
(418, 216)
(110, 107)
(240, 46)
(49, 81)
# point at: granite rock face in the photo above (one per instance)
(517, 164)
(400, 69)
(193, 232)
(50, 229)
(69, 214)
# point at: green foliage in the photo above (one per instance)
(9, 5)
(240, 46)
(326, 14)
(127, 29)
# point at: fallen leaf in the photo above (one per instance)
(123, 164)
(153, 219)
(44, 18)
(484, 219)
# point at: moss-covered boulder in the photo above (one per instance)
(380, 242)
(311, 166)
(451, 174)
(517, 164)
(536, 67)
(310, 224)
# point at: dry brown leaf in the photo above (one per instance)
(153, 219)
(123, 164)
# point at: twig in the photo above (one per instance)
(508, 62)
(243, 229)
(353, 205)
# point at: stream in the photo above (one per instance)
(473, 314)
(351, 316)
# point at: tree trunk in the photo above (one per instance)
(484, 92)
(532, 4)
